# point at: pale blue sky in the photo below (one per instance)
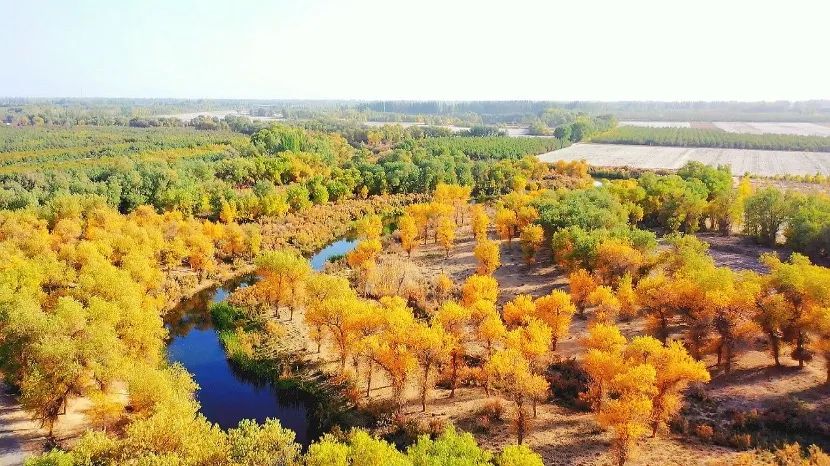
(427, 49)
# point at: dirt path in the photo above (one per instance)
(15, 430)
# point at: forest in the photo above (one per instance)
(694, 137)
(489, 297)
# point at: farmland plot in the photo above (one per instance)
(758, 162)
(657, 124)
(799, 129)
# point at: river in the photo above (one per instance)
(225, 395)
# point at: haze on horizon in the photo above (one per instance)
(424, 50)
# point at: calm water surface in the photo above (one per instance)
(226, 396)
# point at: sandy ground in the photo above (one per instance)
(15, 426)
(788, 185)
(758, 162)
(738, 252)
(20, 436)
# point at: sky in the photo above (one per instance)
(419, 49)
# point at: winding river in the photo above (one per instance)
(226, 396)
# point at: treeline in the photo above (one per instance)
(568, 126)
(693, 137)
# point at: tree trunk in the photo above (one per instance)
(728, 355)
(369, 379)
(520, 423)
(454, 375)
(775, 347)
(799, 348)
(425, 387)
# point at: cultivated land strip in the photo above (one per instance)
(758, 162)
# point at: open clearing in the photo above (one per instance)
(758, 162)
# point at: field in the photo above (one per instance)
(757, 162)
(657, 124)
(742, 127)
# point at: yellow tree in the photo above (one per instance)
(487, 253)
(437, 213)
(525, 215)
(804, 287)
(733, 305)
(510, 374)
(627, 412)
(519, 310)
(603, 360)
(228, 212)
(362, 258)
(370, 227)
(479, 287)
(431, 347)
(444, 287)
(658, 296)
(480, 221)
(421, 214)
(455, 320)
(490, 330)
(820, 319)
(408, 231)
(556, 310)
(627, 297)
(606, 305)
(395, 358)
(531, 239)
(774, 313)
(283, 279)
(454, 195)
(367, 323)
(322, 288)
(505, 221)
(614, 259)
(533, 341)
(446, 233)
(581, 284)
(675, 369)
(341, 317)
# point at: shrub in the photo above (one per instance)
(567, 381)
(704, 432)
